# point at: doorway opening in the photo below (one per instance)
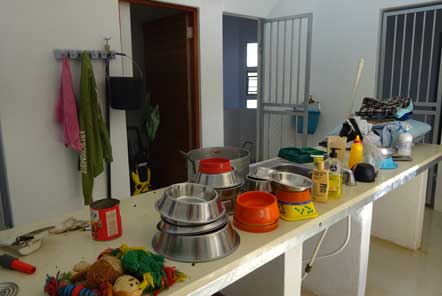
(240, 74)
(164, 43)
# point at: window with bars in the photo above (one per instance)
(252, 75)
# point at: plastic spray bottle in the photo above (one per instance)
(356, 153)
(334, 167)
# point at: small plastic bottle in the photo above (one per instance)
(320, 180)
(333, 165)
(405, 143)
(356, 153)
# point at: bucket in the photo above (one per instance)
(106, 219)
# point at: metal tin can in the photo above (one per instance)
(106, 219)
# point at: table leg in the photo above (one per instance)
(345, 273)
(279, 277)
(398, 217)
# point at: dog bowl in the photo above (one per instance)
(256, 208)
(253, 184)
(219, 181)
(165, 226)
(190, 203)
(197, 248)
(289, 182)
(254, 228)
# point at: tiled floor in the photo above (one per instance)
(395, 271)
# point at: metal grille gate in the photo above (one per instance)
(410, 65)
(285, 45)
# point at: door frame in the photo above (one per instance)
(195, 59)
(298, 109)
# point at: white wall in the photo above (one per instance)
(43, 176)
(253, 8)
(343, 32)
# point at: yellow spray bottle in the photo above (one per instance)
(356, 153)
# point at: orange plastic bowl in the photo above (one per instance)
(256, 208)
(255, 229)
(294, 197)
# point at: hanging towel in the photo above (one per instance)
(93, 132)
(66, 109)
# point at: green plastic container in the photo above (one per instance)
(299, 155)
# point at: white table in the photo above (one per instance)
(282, 275)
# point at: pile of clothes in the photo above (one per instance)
(398, 108)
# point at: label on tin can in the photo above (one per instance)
(105, 219)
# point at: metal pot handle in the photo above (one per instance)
(247, 143)
(186, 156)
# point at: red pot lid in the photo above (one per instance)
(215, 166)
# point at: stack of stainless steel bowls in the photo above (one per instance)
(194, 226)
(228, 185)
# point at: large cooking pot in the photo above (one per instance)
(239, 158)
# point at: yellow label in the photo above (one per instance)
(334, 183)
(320, 185)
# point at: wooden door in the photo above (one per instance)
(170, 68)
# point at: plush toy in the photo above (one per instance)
(127, 285)
(105, 270)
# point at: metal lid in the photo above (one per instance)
(8, 289)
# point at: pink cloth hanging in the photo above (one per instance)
(66, 109)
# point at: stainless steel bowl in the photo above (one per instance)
(190, 203)
(295, 169)
(196, 248)
(290, 182)
(219, 181)
(227, 196)
(261, 173)
(253, 184)
(194, 229)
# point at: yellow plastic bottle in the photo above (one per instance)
(356, 153)
(320, 180)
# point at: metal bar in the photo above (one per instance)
(277, 62)
(411, 56)
(291, 61)
(261, 79)
(421, 55)
(283, 63)
(282, 135)
(417, 104)
(299, 61)
(307, 76)
(284, 18)
(268, 135)
(5, 197)
(402, 54)
(431, 55)
(382, 59)
(412, 10)
(292, 113)
(75, 54)
(436, 128)
(393, 58)
(270, 62)
(107, 97)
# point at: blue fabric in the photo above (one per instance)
(404, 113)
(390, 133)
